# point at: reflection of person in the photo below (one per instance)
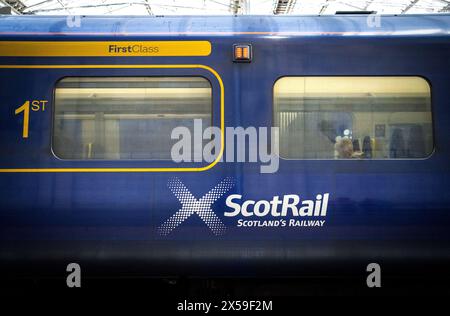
(397, 145)
(344, 148)
(367, 147)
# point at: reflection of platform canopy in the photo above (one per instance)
(219, 7)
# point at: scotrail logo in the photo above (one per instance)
(286, 211)
(281, 211)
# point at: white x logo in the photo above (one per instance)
(190, 205)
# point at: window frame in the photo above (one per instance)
(129, 160)
(432, 121)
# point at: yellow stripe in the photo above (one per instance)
(104, 49)
(198, 169)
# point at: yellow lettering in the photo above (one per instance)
(25, 108)
(35, 105)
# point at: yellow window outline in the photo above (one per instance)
(170, 169)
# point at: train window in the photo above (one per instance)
(353, 117)
(126, 117)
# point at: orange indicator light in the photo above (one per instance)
(242, 53)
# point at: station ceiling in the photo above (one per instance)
(221, 7)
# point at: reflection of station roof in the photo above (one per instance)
(221, 7)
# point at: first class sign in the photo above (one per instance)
(104, 48)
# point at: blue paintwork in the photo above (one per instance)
(404, 200)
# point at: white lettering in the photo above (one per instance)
(291, 205)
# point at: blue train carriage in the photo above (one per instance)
(94, 110)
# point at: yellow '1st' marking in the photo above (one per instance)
(25, 108)
(36, 105)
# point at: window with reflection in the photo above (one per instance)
(353, 117)
(126, 117)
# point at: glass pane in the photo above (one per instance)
(353, 117)
(127, 117)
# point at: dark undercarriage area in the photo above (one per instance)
(204, 269)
